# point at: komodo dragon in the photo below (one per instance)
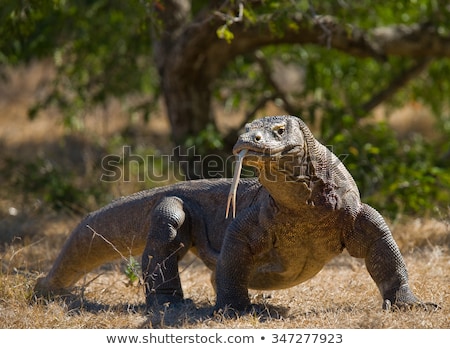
(302, 210)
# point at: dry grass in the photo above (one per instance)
(342, 295)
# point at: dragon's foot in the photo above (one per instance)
(405, 306)
(45, 290)
(404, 299)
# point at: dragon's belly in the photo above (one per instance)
(278, 274)
(299, 252)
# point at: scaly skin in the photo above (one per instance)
(302, 211)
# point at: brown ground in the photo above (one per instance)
(342, 295)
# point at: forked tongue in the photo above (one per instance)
(234, 183)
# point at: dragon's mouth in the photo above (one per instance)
(261, 153)
(255, 157)
(252, 157)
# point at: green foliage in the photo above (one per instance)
(209, 139)
(44, 180)
(25, 30)
(146, 167)
(223, 32)
(132, 270)
(100, 49)
(395, 177)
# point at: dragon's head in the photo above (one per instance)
(271, 138)
(274, 145)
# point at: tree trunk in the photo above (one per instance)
(186, 58)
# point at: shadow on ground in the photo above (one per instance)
(180, 315)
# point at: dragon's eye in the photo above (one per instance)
(279, 130)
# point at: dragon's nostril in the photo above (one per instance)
(258, 137)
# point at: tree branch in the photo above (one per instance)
(415, 41)
(396, 84)
(265, 68)
(199, 47)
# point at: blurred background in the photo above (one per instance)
(80, 80)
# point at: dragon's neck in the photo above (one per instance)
(288, 181)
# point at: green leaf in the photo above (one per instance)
(224, 33)
(132, 269)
